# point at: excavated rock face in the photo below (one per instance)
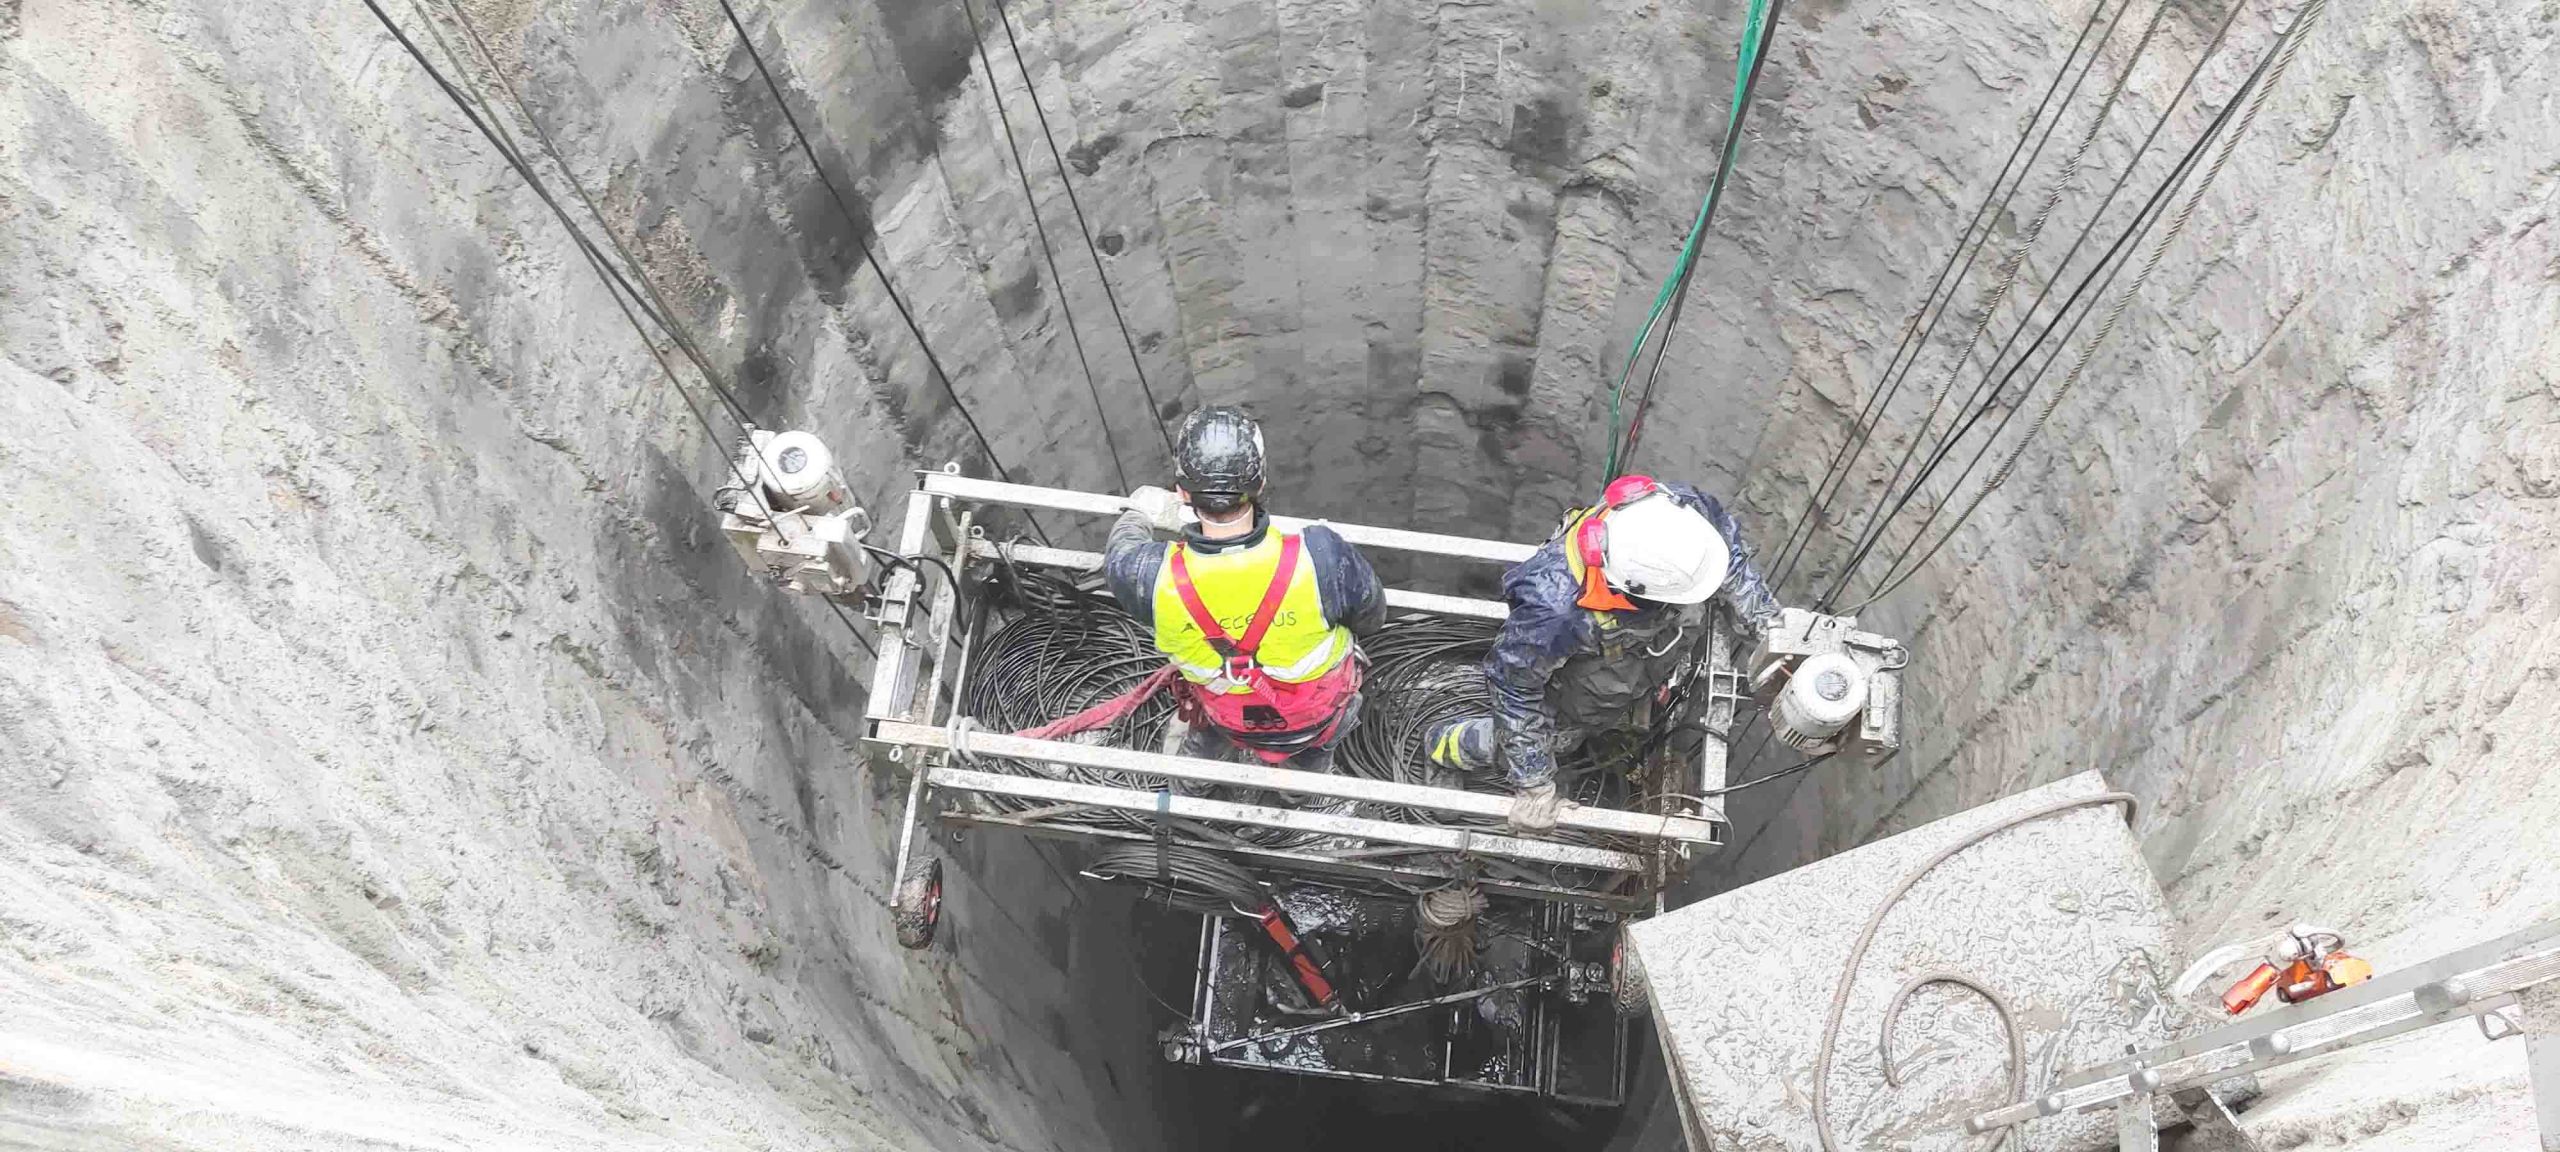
(390, 752)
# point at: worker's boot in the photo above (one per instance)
(1462, 745)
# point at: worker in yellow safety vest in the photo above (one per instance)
(1259, 623)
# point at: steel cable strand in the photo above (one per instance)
(1866, 937)
(1155, 411)
(1889, 380)
(1986, 393)
(485, 119)
(1999, 292)
(854, 229)
(1200, 882)
(1040, 231)
(1044, 664)
(2264, 82)
(663, 313)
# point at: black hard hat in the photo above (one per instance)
(1218, 458)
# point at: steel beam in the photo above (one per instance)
(2482, 978)
(1294, 862)
(1266, 816)
(1083, 561)
(2540, 1007)
(1065, 500)
(1456, 801)
(894, 675)
(2135, 1127)
(2210, 1125)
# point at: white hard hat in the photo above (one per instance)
(1664, 551)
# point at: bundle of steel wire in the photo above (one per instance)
(1423, 672)
(1182, 878)
(1065, 645)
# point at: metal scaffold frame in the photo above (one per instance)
(923, 668)
(2510, 985)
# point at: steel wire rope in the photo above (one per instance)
(1155, 411)
(2261, 84)
(1759, 27)
(2107, 267)
(1040, 231)
(854, 230)
(662, 314)
(495, 134)
(2010, 266)
(1069, 646)
(1889, 381)
(499, 139)
(2110, 264)
(1985, 393)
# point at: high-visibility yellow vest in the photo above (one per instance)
(1299, 647)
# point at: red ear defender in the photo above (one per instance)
(1627, 490)
(1591, 542)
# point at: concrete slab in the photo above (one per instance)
(2056, 914)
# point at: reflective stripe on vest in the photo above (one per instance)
(1297, 647)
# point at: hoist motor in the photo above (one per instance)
(1825, 682)
(787, 511)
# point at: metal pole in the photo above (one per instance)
(1093, 503)
(1398, 598)
(1457, 801)
(2540, 1006)
(1380, 1014)
(1457, 840)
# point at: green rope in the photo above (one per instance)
(1754, 43)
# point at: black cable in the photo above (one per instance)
(1040, 231)
(2010, 267)
(2100, 275)
(1197, 881)
(959, 602)
(1155, 411)
(1707, 217)
(1963, 425)
(494, 131)
(1889, 381)
(854, 229)
(2261, 80)
(664, 313)
(1780, 774)
(858, 637)
(1946, 448)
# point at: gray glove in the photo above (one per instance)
(1534, 809)
(1162, 508)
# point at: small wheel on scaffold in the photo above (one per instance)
(1626, 978)
(917, 910)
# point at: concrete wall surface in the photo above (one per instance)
(391, 755)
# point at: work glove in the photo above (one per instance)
(1162, 508)
(1534, 808)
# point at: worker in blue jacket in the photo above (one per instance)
(1600, 618)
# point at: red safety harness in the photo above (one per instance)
(1273, 719)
